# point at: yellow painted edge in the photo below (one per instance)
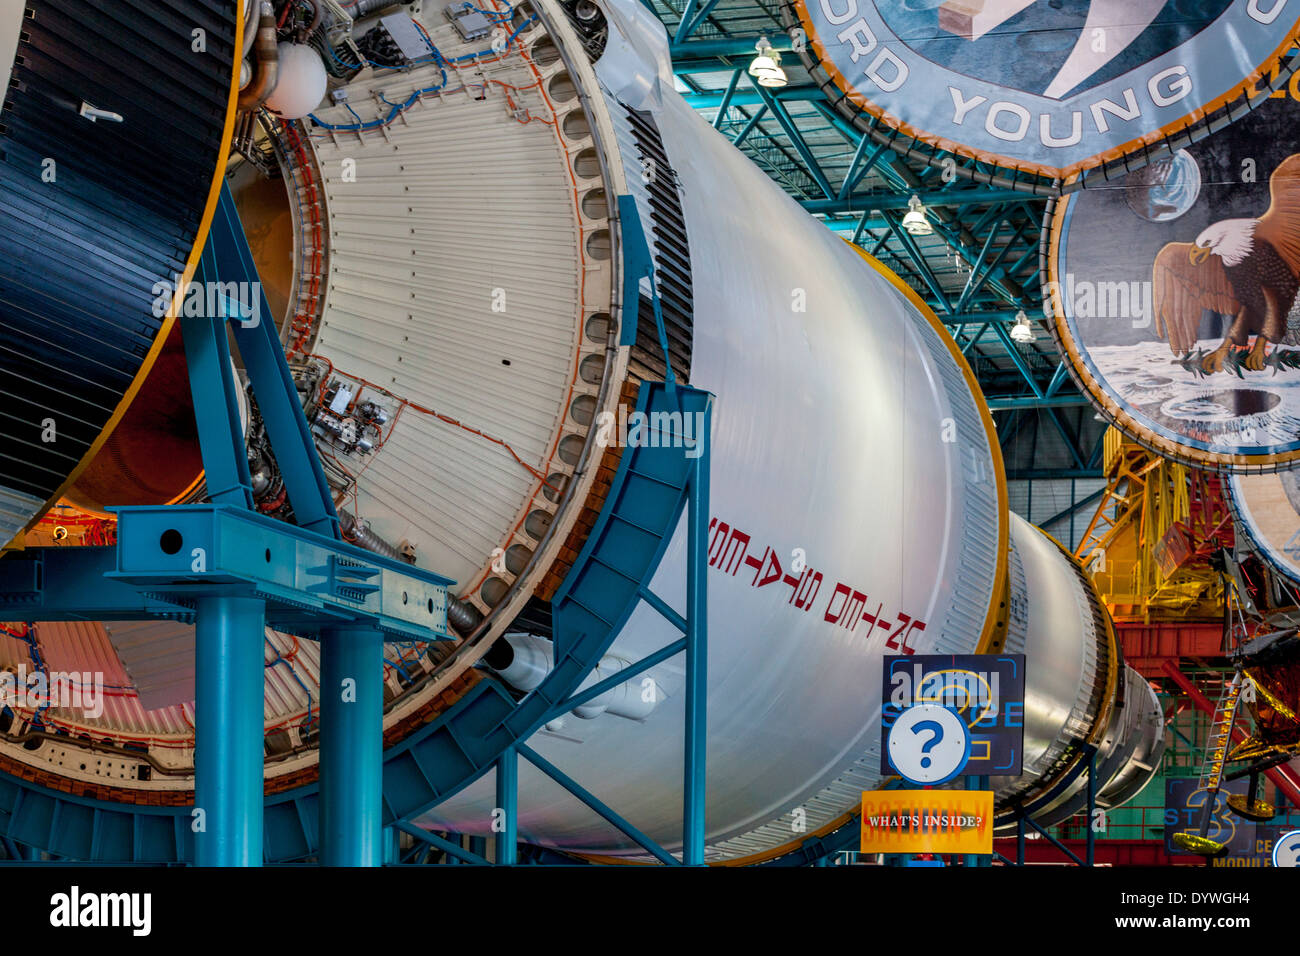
(191, 264)
(988, 635)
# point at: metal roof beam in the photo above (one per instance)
(900, 177)
(749, 127)
(857, 168)
(1036, 474)
(752, 97)
(715, 47)
(691, 18)
(1071, 442)
(726, 98)
(972, 286)
(895, 199)
(1018, 360)
(918, 258)
(796, 139)
(1058, 379)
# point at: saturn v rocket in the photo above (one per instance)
(432, 194)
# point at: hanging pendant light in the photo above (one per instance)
(916, 221)
(766, 67)
(1022, 331)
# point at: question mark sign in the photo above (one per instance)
(936, 734)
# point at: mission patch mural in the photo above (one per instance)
(1049, 87)
(1173, 295)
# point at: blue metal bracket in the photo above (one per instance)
(310, 582)
(637, 264)
(226, 259)
(1086, 764)
(168, 556)
(216, 406)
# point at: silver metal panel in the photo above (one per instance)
(1051, 622)
(159, 658)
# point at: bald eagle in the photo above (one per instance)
(1246, 268)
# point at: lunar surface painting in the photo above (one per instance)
(1174, 295)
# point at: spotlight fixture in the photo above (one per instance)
(916, 221)
(766, 67)
(1022, 331)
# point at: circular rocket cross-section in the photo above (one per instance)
(1027, 95)
(1267, 509)
(1174, 296)
(115, 128)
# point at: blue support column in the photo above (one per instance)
(697, 645)
(229, 745)
(351, 747)
(507, 838)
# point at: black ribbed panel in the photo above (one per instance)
(80, 256)
(672, 263)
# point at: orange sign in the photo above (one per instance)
(927, 821)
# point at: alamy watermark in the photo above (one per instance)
(639, 429)
(38, 690)
(1086, 299)
(209, 300)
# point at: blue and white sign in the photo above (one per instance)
(1052, 86)
(987, 691)
(928, 744)
(1286, 851)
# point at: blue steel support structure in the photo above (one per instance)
(229, 748)
(507, 839)
(352, 746)
(1085, 765)
(697, 668)
(311, 583)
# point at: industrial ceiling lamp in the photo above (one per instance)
(766, 68)
(1022, 331)
(916, 221)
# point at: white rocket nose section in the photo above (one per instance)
(636, 66)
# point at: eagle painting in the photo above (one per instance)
(1248, 269)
